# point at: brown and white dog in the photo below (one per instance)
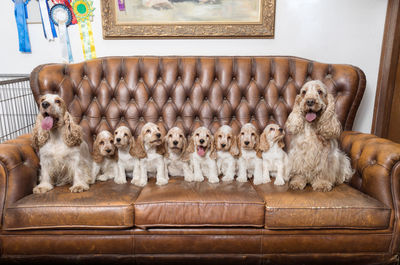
(175, 146)
(227, 151)
(314, 153)
(105, 157)
(150, 150)
(127, 160)
(64, 156)
(249, 162)
(201, 153)
(275, 160)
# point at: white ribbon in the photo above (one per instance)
(44, 12)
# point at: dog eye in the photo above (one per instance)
(197, 134)
(242, 133)
(125, 134)
(180, 136)
(229, 137)
(170, 136)
(58, 101)
(253, 134)
(219, 136)
(303, 92)
(148, 131)
(112, 141)
(272, 129)
(208, 136)
(319, 92)
(101, 143)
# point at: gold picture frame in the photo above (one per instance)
(239, 19)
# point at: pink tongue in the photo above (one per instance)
(47, 123)
(311, 116)
(201, 151)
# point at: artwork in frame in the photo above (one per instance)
(188, 18)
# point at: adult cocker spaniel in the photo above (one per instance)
(64, 156)
(314, 153)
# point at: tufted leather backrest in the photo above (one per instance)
(188, 92)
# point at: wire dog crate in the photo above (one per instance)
(18, 109)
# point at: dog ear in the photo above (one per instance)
(132, 146)
(189, 149)
(264, 145)
(97, 157)
(295, 122)
(160, 149)
(257, 146)
(234, 150)
(281, 144)
(239, 145)
(138, 149)
(329, 126)
(72, 132)
(165, 143)
(39, 136)
(184, 146)
(213, 153)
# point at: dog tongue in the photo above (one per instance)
(310, 116)
(201, 151)
(47, 123)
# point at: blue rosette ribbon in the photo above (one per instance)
(21, 14)
(49, 30)
(62, 17)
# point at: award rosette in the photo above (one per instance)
(62, 17)
(83, 10)
(21, 14)
(48, 25)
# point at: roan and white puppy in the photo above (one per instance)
(150, 150)
(127, 160)
(227, 150)
(105, 157)
(201, 152)
(175, 146)
(249, 162)
(64, 156)
(275, 160)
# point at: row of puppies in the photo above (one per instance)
(247, 155)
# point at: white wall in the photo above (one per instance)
(329, 31)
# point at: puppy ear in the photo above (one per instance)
(39, 136)
(160, 149)
(115, 155)
(139, 147)
(165, 143)
(184, 146)
(239, 145)
(97, 157)
(189, 149)
(329, 126)
(213, 153)
(295, 122)
(234, 150)
(257, 146)
(264, 145)
(132, 146)
(72, 132)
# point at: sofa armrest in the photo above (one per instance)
(19, 166)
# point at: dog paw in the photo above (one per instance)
(227, 179)
(297, 183)
(213, 180)
(42, 188)
(102, 178)
(139, 183)
(161, 181)
(322, 185)
(79, 188)
(241, 179)
(198, 178)
(279, 182)
(120, 180)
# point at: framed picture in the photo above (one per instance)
(188, 18)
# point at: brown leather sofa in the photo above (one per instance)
(225, 223)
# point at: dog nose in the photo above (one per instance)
(246, 142)
(108, 150)
(280, 130)
(158, 135)
(45, 104)
(201, 141)
(175, 142)
(310, 102)
(223, 145)
(118, 140)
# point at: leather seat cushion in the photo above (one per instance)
(199, 204)
(106, 205)
(343, 207)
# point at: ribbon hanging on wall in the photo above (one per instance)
(62, 17)
(21, 15)
(48, 25)
(67, 4)
(121, 5)
(83, 10)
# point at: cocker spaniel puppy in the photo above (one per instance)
(249, 162)
(227, 151)
(275, 160)
(314, 153)
(105, 157)
(201, 153)
(64, 156)
(149, 149)
(175, 146)
(127, 161)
